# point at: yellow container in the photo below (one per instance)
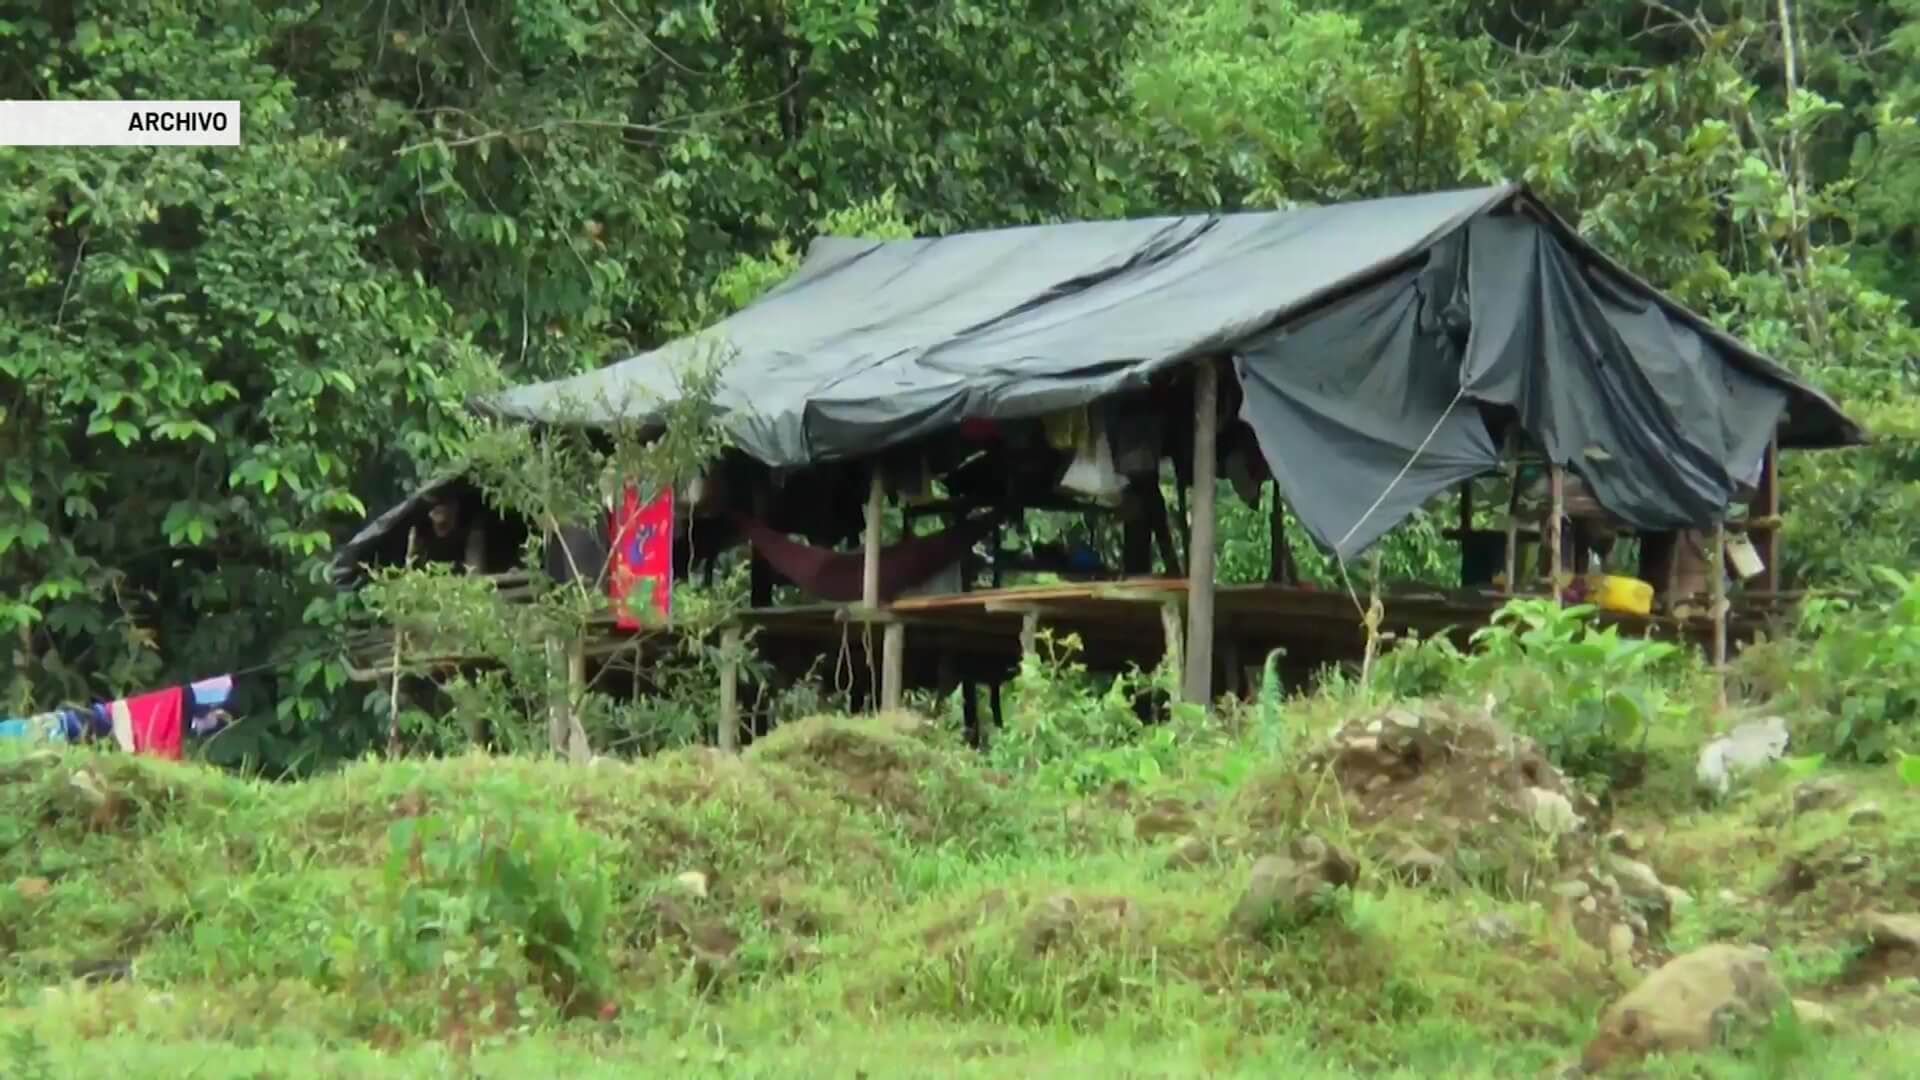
(1630, 596)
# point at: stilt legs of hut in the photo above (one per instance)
(1175, 639)
(1280, 567)
(893, 659)
(1510, 585)
(1163, 532)
(566, 683)
(970, 714)
(730, 689)
(1200, 560)
(1557, 484)
(1718, 567)
(556, 696)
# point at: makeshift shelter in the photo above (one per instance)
(1368, 337)
(1380, 352)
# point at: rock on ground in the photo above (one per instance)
(1692, 1003)
(1889, 949)
(1550, 811)
(1415, 865)
(1188, 852)
(1823, 794)
(1286, 890)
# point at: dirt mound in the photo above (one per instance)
(1409, 764)
(1448, 796)
(898, 767)
(1445, 795)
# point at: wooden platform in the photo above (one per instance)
(976, 635)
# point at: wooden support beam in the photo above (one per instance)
(1200, 557)
(1767, 506)
(1556, 483)
(1029, 633)
(1280, 568)
(1175, 645)
(730, 689)
(1163, 531)
(1133, 594)
(1718, 568)
(970, 714)
(893, 663)
(870, 578)
(1513, 515)
(399, 641)
(578, 750)
(1376, 611)
(557, 722)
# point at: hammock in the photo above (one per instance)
(839, 575)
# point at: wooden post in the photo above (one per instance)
(1718, 567)
(1029, 635)
(1768, 500)
(1170, 627)
(578, 750)
(1163, 532)
(970, 714)
(893, 662)
(393, 692)
(1513, 507)
(1280, 556)
(1200, 556)
(870, 579)
(730, 689)
(557, 723)
(1556, 484)
(870, 576)
(1376, 613)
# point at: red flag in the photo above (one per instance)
(642, 554)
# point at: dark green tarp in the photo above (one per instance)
(1362, 332)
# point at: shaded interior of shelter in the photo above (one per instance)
(1372, 402)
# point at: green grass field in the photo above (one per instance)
(858, 898)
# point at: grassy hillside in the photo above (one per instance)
(860, 897)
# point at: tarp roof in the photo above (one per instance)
(1445, 298)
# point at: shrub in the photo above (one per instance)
(1588, 695)
(493, 900)
(1077, 735)
(1855, 673)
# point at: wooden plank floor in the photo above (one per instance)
(976, 635)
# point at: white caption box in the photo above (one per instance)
(119, 123)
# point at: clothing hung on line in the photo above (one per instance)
(149, 723)
(57, 725)
(152, 723)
